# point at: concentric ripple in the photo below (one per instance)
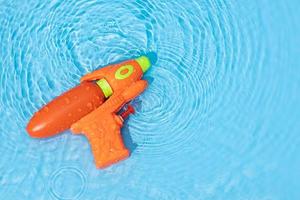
(219, 120)
(65, 175)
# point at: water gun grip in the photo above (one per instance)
(103, 126)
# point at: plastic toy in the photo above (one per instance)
(92, 107)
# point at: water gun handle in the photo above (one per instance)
(103, 126)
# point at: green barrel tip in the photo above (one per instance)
(146, 61)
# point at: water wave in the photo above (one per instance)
(221, 99)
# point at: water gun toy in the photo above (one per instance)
(92, 108)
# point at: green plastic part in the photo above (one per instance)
(124, 72)
(105, 87)
(144, 62)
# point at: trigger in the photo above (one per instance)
(128, 111)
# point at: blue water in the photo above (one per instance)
(220, 119)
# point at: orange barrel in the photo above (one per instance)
(63, 111)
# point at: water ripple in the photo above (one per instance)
(223, 88)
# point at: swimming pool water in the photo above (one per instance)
(220, 119)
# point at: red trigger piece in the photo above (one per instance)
(128, 111)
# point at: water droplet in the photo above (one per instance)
(67, 100)
(90, 105)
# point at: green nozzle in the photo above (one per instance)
(144, 62)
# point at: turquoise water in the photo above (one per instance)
(220, 119)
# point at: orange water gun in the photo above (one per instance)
(92, 108)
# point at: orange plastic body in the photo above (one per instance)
(63, 111)
(85, 110)
(102, 127)
(109, 73)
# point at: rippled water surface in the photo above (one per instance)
(220, 119)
